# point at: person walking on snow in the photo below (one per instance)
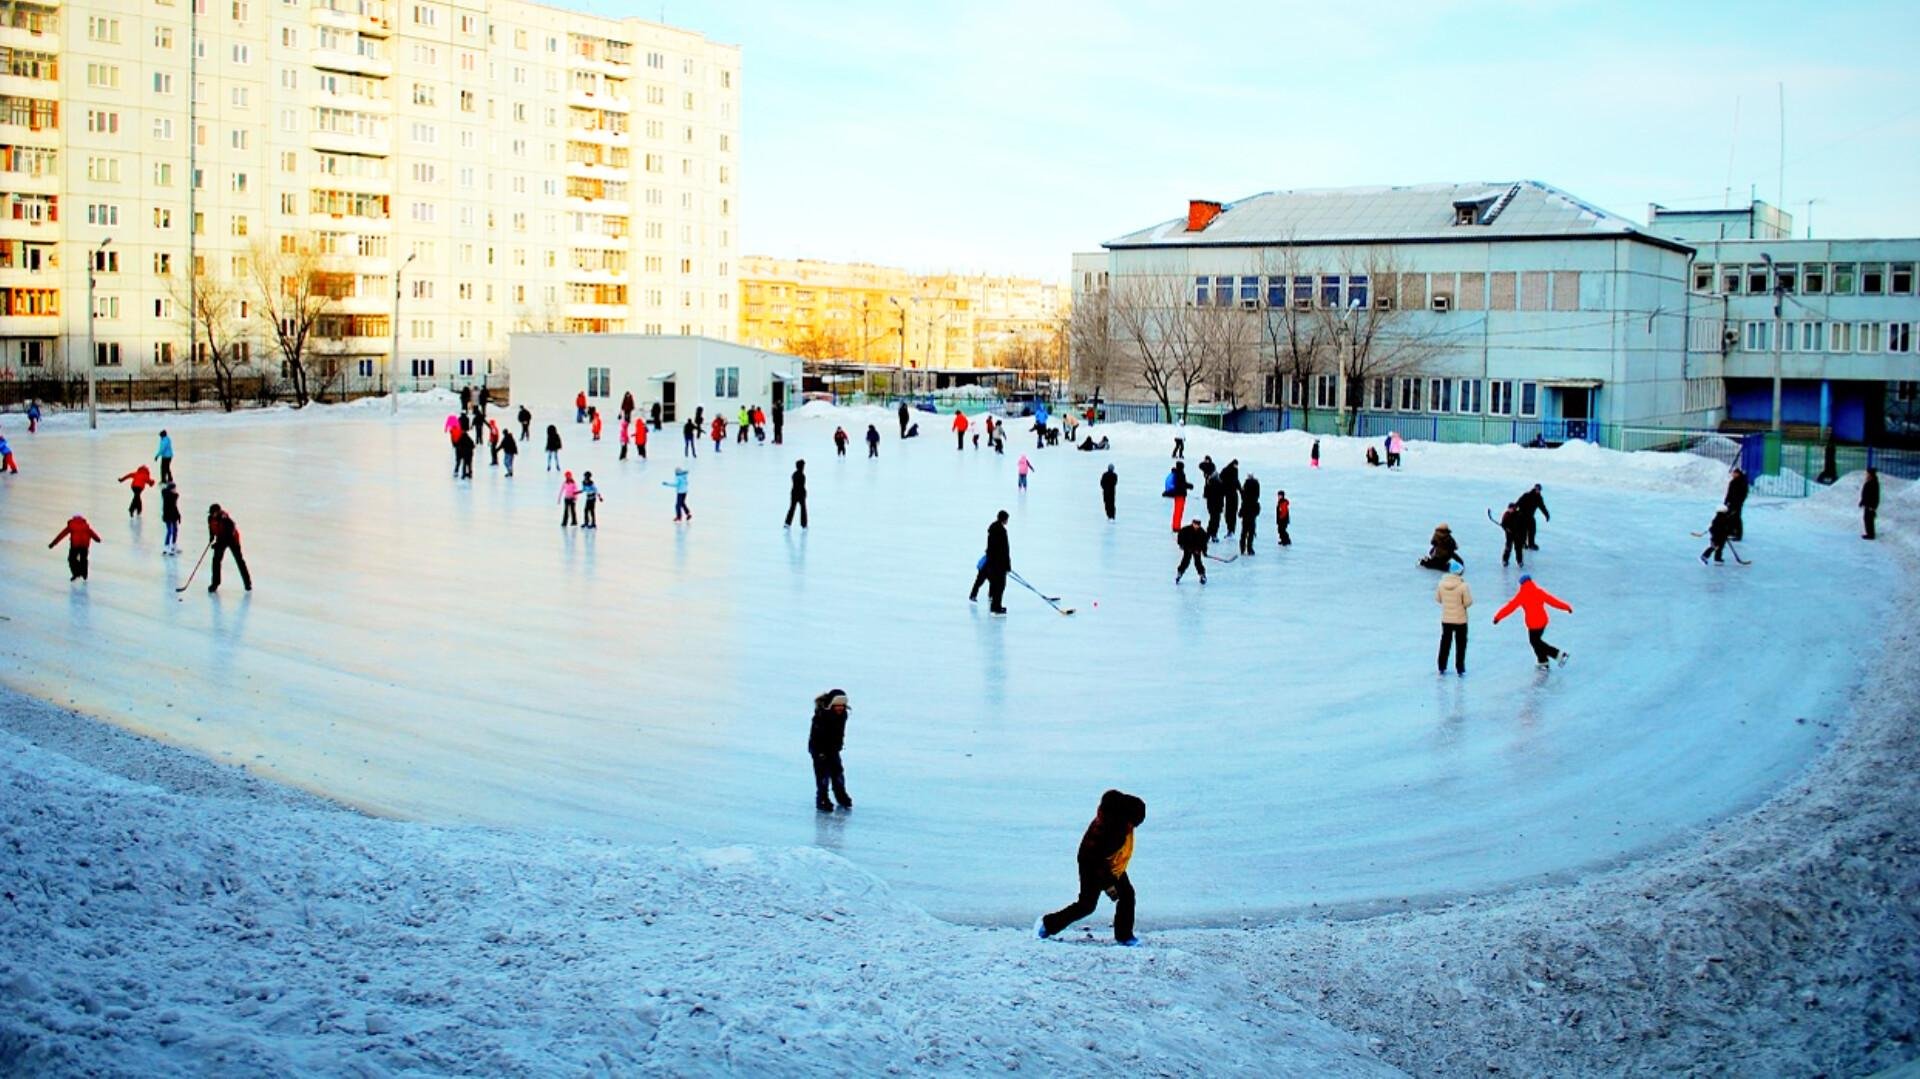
(1249, 512)
(840, 441)
(1395, 447)
(1534, 600)
(509, 449)
(553, 448)
(654, 414)
(1230, 494)
(626, 407)
(141, 479)
(164, 455)
(1530, 503)
(170, 517)
(1313, 461)
(1513, 525)
(593, 419)
(994, 566)
(463, 456)
(779, 416)
(1180, 441)
(1736, 501)
(825, 739)
(569, 501)
(679, 485)
(1454, 597)
(1869, 501)
(1109, 484)
(1176, 489)
(1192, 541)
(1024, 467)
(590, 494)
(493, 443)
(873, 441)
(79, 536)
(959, 430)
(526, 424)
(224, 536)
(1105, 852)
(797, 495)
(6, 457)
(902, 414)
(1718, 533)
(1283, 518)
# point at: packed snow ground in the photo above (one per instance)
(177, 915)
(442, 651)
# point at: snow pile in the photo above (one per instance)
(219, 926)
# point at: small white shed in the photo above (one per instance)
(681, 373)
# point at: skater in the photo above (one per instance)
(960, 429)
(1193, 551)
(1207, 468)
(589, 494)
(509, 449)
(690, 439)
(1531, 502)
(1869, 502)
(640, 439)
(1513, 526)
(1535, 600)
(1024, 467)
(79, 536)
(33, 416)
(1718, 533)
(6, 457)
(1105, 851)
(526, 424)
(1313, 461)
(580, 407)
(1180, 442)
(994, 566)
(1214, 492)
(1736, 501)
(1109, 483)
(797, 494)
(1230, 494)
(873, 441)
(779, 418)
(840, 441)
(1283, 518)
(1039, 434)
(170, 517)
(466, 398)
(1442, 549)
(141, 479)
(553, 448)
(653, 413)
(1249, 512)
(593, 422)
(626, 431)
(679, 485)
(700, 418)
(164, 455)
(224, 535)
(1088, 444)
(901, 412)
(569, 501)
(1395, 447)
(463, 455)
(719, 432)
(493, 443)
(454, 427)
(1176, 489)
(742, 423)
(759, 424)
(825, 738)
(1454, 597)
(626, 407)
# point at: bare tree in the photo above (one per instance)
(294, 291)
(1294, 343)
(1091, 343)
(1376, 338)
(215, 331)
(1230, 343)
(817, 344)
(1160, 338)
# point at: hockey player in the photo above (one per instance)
(1214, 493)
(1736, 502)
(79, 536)
(1283, 518)
(825, 739)
(994, 566)
(1513, 525)
(1105, 852)
(224, 535)
(1718, 533)
(1530, 503)
(1193, 551)
(140, 479)
(1534, 600)
(1249, 512)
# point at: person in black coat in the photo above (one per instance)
(902, 413)
(689, 439)
(825, 738)
(653, 414)
(526, 424)
(1530, 503)
(1249, 512)
(1230, 494)
(1869, 501)
(1105, 851)
(1109, 483)
(1193, 550)
(779, 418)
(1736, 500)
(1215, 493)
(509, 449)
(873, 441)
(1513, 525)
(994, 566)
(463, 453)
(1718, 533)
(797, 497)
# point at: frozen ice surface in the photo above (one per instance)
(444, 651)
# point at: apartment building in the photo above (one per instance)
(511, 166)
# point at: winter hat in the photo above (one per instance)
(1454, 566)
(1525, 577)
(679, 471)
(1722, 509)
(569, 475)
(1443, 527)
(837, 700)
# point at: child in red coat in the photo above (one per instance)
(79, 536)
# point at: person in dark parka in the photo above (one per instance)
(824, 741)
(1736, 500)
(1193, 550)
(1230, 494)
(1869, 501)
(1214, 492)
(994, 566)
(1530, 503)
(1514, 526)
(797, 497)
(1442, 549)
(1249, 512)
(1718, 533)
(1105, 852)
(1109, 483)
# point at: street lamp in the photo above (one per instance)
(1340, 378)
(1778, 299)
(393, 391)
(93, 359)
(895, 301)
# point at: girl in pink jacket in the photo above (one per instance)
(1024, 467)
(569, 500)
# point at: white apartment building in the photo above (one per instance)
(521, 167)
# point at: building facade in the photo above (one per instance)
(878, 315)
(681, 374)
(511, 166)
(1466, 304)
(1835, 318)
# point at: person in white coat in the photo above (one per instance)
(1454, 597)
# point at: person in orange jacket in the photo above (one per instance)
(141, 479)
(79, 536)
(959, 430)
(593, 418)
(1535, 600)
(1105, 850)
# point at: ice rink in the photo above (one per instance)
(442, 650)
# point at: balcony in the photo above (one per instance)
(581, 100)
(599, 136)
(335, 142)
(19, 38)
(335, 60)
(369, 25)
(30, 325)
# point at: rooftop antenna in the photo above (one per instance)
(1726, 197)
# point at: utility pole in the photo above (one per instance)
(193, 188)
(1778, 301)
(93, 358)
(393, 391)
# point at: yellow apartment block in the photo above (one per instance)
(863, 313)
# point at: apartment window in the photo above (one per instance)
(366, 368)
(1703, 277)
(1440, 394)
(726, 382)
(242, 54)
(1813, 337)
(162, 264)
(1873, 278)
(239, 224)
(422, 93)
(100, 122)
(1357, 289)
(106, 261)
(1786, 277)
(425, 15)
(1326, 391)
(599, 382)
(1757, 279)
(1843, 279)
(1899, 337)
(1410, 394)
(162, 218)
(289, 202)
(1756, 335)
(239, 11)
(1499, 397)
(103, 213)
(239, 97)
(101, 28)
(1330, 290)
(1840, 337)
(1467, 396)
(162, 82)
(163, 174)
(162, 307)
(1813, 278)
(237, 138)
(422, 368)
(163, 353)
(163, 37)
(1902, 279)
(239, 182)
(105, 170)
(106, 354)
(1529, 398)
(1866, 337)
(1730, 280)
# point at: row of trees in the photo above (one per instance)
(1148, 333)
(290, 290)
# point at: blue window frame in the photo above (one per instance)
(1249, 291)
(1202, 293)
(1330, 290)
(1222, 291)
(1277, 291)
(1357, 290)
(1302, 290)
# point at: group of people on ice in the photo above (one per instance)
(223, 535)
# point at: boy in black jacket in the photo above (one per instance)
(828, 734)
(1105, 850)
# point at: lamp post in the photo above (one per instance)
(393, 391)
(895, 301)
(1778, 294)
(1340, 378)
(93, 359)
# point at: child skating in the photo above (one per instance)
(140, 478)
(553, 448)
(589, 494)
(1535, 600)
(569, 501)
(679, 485)
(825, 738)
(1105, 851)
(6, 457)
(79, 536)
(170, 517)
(1024, 468)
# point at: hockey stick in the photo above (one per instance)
(196, 566)
(1217, 558)
(1735, 551)
(1494, 519)
(1052, 601)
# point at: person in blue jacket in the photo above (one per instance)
(164, 455)
(679, 485)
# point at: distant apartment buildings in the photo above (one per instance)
(514, 166)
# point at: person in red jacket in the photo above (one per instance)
(959, 430)
(224, 535)
(1535, 600)
(580, 407)
(141, 479)
(79, 536)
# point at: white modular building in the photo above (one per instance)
(681, 374)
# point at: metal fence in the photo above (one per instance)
(181, 392)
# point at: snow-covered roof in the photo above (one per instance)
(1524, 209)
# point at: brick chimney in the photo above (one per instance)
(1200, 214)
